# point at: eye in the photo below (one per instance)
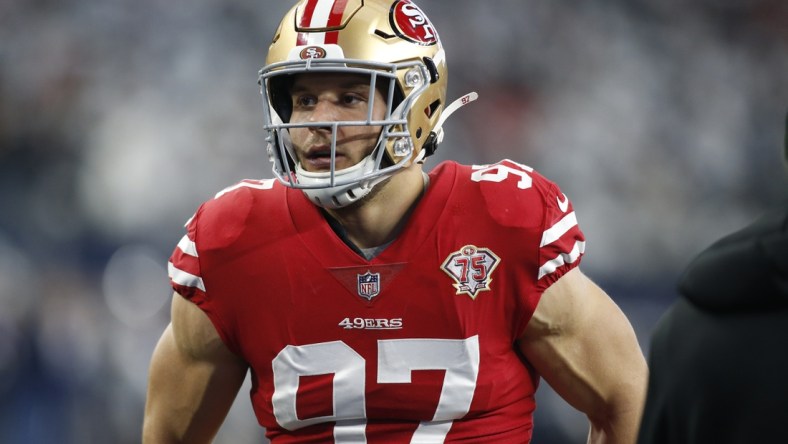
(352, 99)
(304, 100)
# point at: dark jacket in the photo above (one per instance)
(719, 356)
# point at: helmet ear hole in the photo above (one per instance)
(433, 107)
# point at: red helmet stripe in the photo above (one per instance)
(309, 10)
(335, 19)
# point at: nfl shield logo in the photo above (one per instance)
(368, 285)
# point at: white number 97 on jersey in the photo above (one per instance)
(397, 360)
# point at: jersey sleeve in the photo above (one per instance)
(211, 243)
(184, 266)
(562, 242)
(216, 225)
(532, 227)
(187, 278)
(517, 197)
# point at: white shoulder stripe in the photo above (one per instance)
(555, 232)
(563, 258)
(186, 225)
(181, 277)
(266, 184)
(187, 246)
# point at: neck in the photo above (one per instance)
(379, 217)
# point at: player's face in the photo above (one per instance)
(331, 98)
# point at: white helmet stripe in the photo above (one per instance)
(319, 20)
(321, 14)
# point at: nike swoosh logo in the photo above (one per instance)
(563, 205)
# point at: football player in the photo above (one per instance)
(371, 301)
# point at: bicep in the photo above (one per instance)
(585, 348)
(193, 379)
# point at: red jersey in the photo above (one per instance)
(414, 345)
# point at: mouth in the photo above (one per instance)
(318, 158)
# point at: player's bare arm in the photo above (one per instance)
(193, 380)
(585, 348)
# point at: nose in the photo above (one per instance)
(323, 111)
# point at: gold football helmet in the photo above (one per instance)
(392, 42)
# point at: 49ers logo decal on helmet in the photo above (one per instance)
(410, 23)
(312, 52)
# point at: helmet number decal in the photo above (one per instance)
(410, 23)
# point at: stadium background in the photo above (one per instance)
(661, 120)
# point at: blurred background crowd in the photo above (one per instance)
(661, 120)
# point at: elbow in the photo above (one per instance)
(153, 434)
(617, 419)
(156, 431)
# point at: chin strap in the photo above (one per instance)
(455, 105)
(436, 136)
